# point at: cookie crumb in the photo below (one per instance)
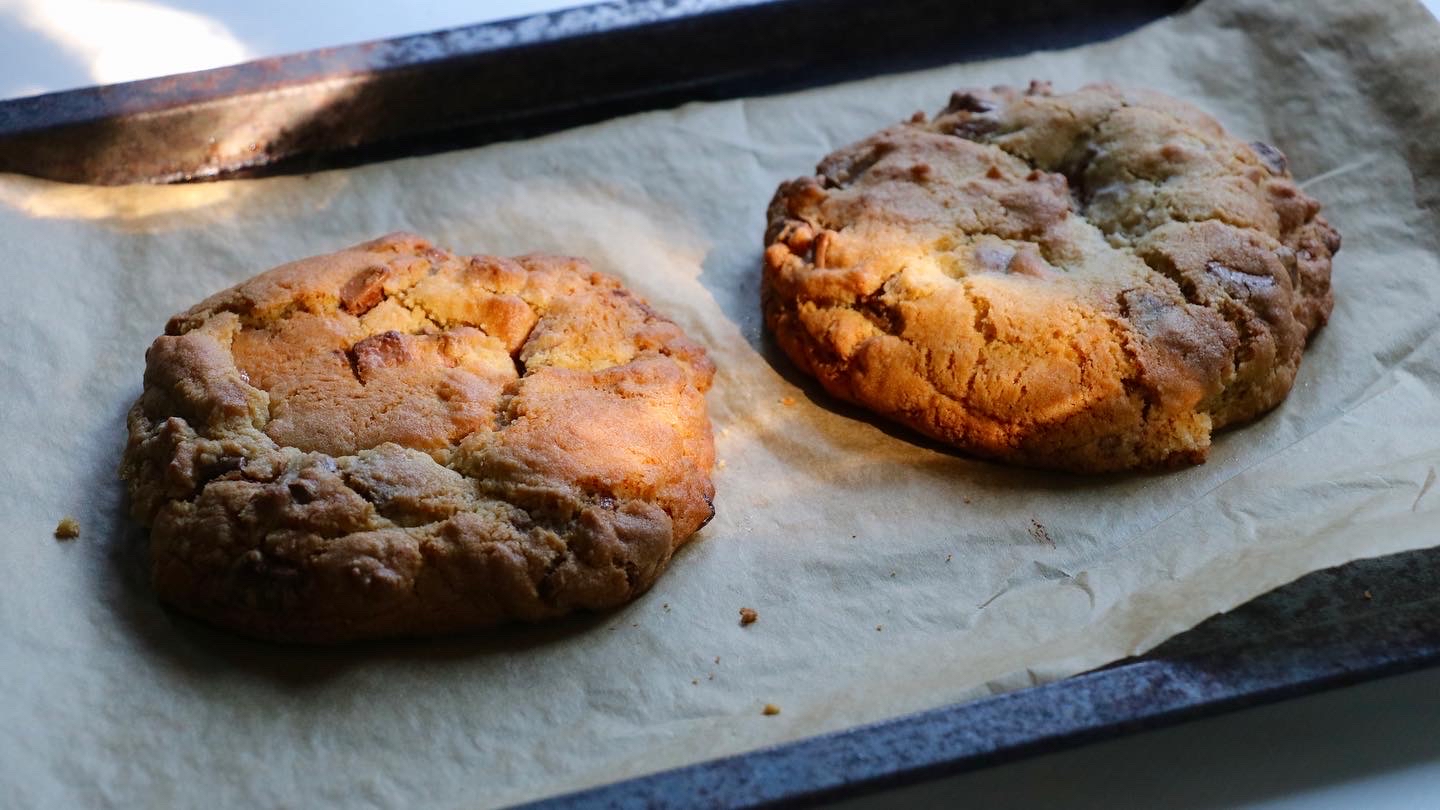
(1037, 531)
(717, 659)
(892, 573)
(949, 557)
(694, 681)
(787, 401)
(770, 710)
(67, 529)
(666, 606)
(720, 465)
(748, 616)
(966, 499)
(1368, 596)
(879, 628)
(711, 678)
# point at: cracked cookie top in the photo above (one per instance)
(1090, 281)
(393, 440)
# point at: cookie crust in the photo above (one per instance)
(394, 440)
(1092, 281)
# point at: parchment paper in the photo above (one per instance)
(889, 575)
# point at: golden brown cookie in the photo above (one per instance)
(393, 440)
(1088, 281)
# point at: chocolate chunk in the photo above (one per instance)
(1039, 88)
(1273, 158)
(994, 258)
(302, 491)
(974, 127)
(969, 102)
(220, 466)
(384, 350)
(363, 291)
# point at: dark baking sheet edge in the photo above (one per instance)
(512, 79)
(1378, 617)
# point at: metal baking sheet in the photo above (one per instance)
(512, 79)
(519, 78)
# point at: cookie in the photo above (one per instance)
(1091, 281)
(393, 440)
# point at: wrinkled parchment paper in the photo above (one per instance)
(889, 575)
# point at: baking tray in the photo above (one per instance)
(518, 78)
(513, 79)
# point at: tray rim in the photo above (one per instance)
(43, 111)
(152, 130)
(941, 742)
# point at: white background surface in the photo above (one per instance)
(1371, 746)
